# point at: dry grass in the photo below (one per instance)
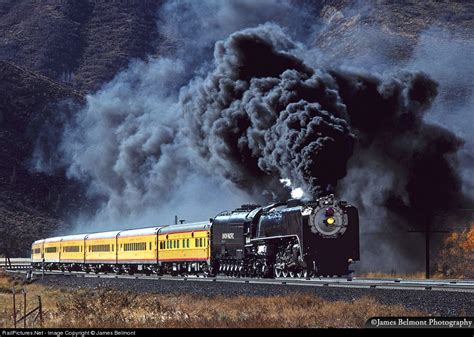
(106, 308)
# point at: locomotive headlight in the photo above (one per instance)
(330, 221)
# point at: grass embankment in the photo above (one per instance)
(107, 308)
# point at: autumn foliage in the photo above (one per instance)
(457, 255)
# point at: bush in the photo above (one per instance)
(456, 258)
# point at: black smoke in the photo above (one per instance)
(262, 115)
(422, 156)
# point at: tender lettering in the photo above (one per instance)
(227, 236)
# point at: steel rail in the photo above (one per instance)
(460, 285)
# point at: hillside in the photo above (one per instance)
(30, 203)
(81, 43)
(395, 26)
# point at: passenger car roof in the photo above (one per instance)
(185, 227)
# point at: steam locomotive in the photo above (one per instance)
(295, 238)
(290, 239)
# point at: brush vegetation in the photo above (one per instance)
(107, 308)
(456, 258)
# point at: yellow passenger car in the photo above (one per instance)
(72, 249)
(184, 247)
(52, 251)
(101, 250)
(137, 249)
(37, 253)
(138, 246)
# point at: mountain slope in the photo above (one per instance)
(30, 203)
(83, 43)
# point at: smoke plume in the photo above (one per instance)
(262, 115)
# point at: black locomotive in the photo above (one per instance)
(294, 238)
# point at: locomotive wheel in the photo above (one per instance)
(299, 273)
(291, 273)
(210, 272)
(278, 271)
(284, 272)
(265, 270)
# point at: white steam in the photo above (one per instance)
(296, 192)
(128, 143)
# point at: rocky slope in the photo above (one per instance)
(82, 43)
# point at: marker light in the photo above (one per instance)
(330, 221)
(329, 211)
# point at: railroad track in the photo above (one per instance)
(436, 285)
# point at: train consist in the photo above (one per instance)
(295, 238)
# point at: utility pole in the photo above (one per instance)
(178, 221)
(428, 231)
